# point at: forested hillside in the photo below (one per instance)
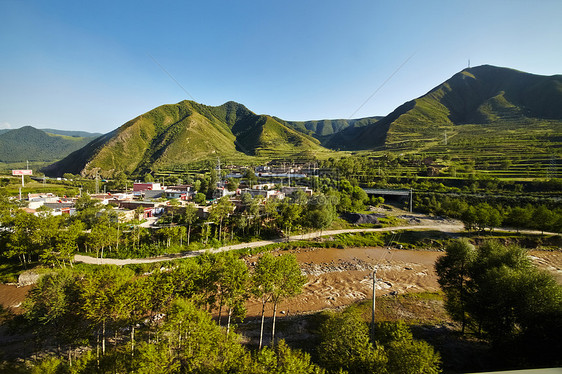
(29, 143)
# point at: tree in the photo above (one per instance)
(319, 213)
(232, 184)
(86, 210)
(133, 304)
(233, 282)
(99, 292)
(199, 198)
(290, 215)
(412, 356)
(453, 271)
(519, 217)
(344, 344)
(469, 218)
(52, 308)
(188, 217)
(542, 218)
(262, 284)
(21, 244)
(64, 246)
(405, 354)
(250, 176)
(220, 211)
(148, 178)
(281, 359)
(516, 306)
(198, 344)
(287, 282)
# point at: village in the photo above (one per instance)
(151, 200)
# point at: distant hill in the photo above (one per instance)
(480, 95)
(29, 143)
(185, 132)
(326, 129)
(75, 134)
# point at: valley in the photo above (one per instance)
(189, 223)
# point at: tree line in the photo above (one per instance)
(163, 317)
(482, 215)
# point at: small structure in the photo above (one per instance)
(146, 186)
(289, 190)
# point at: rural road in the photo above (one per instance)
(457, 227)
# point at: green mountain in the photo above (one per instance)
(326, 129)
(29, 143)
(484, 105)
(483, 95)
(185, 132)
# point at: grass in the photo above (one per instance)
(38, 187)
(10, 271)
(422, 308)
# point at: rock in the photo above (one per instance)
(27, 278)
(357, 218)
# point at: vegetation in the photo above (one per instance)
(466, 150)
(117, 314)
(31, 144)
(495, 291)
(345, 345)
(170, 134)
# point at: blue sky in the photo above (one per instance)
(88, 65)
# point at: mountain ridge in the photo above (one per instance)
(29, 143)
(479, 95)
(185, 132)
(181, 133)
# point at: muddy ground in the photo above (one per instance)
(339, 277)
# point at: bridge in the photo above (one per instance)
(390, 192)
(387, 192)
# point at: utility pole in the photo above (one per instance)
(373, 309)
(411, 198)
(219, 169)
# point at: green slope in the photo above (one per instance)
(182, 133)
(482, 95)
(29, 143)
(74, 134)
(328, 131)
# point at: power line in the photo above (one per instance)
(382, 85)
(170, 75)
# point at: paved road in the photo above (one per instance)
(457, 227)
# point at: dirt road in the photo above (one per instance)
(447, 227)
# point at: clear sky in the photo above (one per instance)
(93, 65)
